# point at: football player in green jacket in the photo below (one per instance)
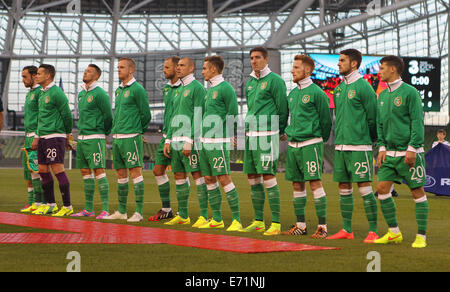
(401, 132)
(33, 180)
(355, 132)
(161, 161)
(94, 124)
(54, 130)
(218, 128)
(182, 143)
(309, 128)
(131, 119)
(266, 120)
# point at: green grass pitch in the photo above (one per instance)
(352, 255)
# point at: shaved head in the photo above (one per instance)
(189, 61)
(185, 67)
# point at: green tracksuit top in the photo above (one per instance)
(188, 102)
(400, 118)
(355, 102)
(309, 113)
(169, 91)
(55, 116)
(31, 114)
(132, 110)
(221, 101)
(266, 97)
(95, 114)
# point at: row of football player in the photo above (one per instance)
(396, 123)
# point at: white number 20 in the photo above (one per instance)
(417, 172)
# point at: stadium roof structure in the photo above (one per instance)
(292, 21)
(185, 6)
(73, 32)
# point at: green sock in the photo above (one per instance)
(164, 190)
(320, 202)
(139, 193)
(122, 190)
(30, 196)
(389, 210)
(182, 197)
(233, 201)
(103, 189)
(370, 207)
(300, 205)
(202, 192)
(346, 203)
(37, 187)
(258, 199)
(422, 210)
(164, 193)
(273, 194)
(89, 190)
(215, 200)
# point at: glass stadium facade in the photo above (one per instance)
(42, 32)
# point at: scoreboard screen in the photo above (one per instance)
(425, 75)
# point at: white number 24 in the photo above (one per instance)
(132, 156)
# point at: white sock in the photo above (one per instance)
(301, 225)
(395, 229)
(424, 236)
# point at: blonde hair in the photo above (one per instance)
(130, 61)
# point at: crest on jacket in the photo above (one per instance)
(398, 101)
(351, 94)
(306, 98)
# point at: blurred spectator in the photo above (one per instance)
(441, 133)
(1, 114)
(1, 150)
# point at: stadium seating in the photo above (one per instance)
(11, 147)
